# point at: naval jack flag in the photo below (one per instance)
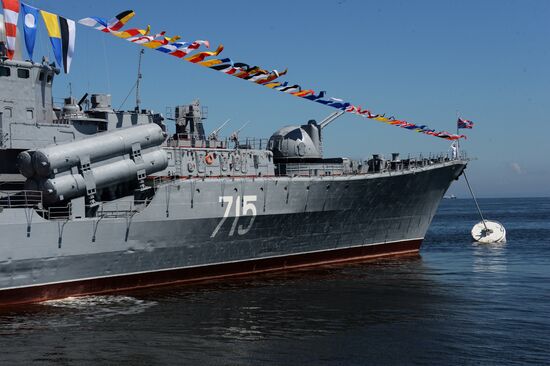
(464, 123)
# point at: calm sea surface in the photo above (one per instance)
(457, 303)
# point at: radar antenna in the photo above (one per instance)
(324, 123)
(139, 76)
(214, 134)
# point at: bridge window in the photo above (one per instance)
(41, 76)
(23, 73)
(5, 71)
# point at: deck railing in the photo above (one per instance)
(20, 199)
(59, 212)
(371, 166)
(121, 209)
(187, 140)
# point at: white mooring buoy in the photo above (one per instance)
(486, 231)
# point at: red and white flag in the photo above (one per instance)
(11, 13)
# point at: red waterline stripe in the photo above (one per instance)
(104, 285)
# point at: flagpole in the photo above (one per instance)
(139, 77)
(457, 132)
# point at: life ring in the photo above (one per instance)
(190, 166)
(208, 159)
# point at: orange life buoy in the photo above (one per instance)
(208, 159)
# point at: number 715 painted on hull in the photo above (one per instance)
(244, 206)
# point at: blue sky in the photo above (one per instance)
(422, 61)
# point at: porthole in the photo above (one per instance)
(23, 73)
(5, 71)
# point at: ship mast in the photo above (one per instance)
(139, 76)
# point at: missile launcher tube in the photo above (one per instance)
(66, 187)
(60, 158)
(24, 163)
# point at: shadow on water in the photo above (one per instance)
(230, 318)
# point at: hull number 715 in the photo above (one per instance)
(244, 206)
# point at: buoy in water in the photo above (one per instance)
(487, 232)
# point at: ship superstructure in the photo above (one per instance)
(30, 120)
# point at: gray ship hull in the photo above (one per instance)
(200, 229)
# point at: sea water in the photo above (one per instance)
(456, 303)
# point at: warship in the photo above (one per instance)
(96, 200)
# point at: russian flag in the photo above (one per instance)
(464, 123)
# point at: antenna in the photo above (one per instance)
(324, 123)
(235, 134)
(214, 134)
(139, 76)
(70, 89)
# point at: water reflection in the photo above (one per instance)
(304, 304)
(489, 258)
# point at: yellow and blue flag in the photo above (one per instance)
(62, 34)
(52, 25)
